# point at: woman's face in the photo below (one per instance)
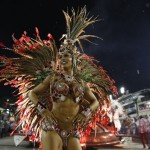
(66, 60)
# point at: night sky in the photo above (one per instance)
(125, 29)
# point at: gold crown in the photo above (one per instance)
(68, 45)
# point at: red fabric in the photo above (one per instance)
(144, 138)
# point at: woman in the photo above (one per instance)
(61, 91)
(65, 112)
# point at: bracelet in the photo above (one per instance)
(86, 112)
(40, 107)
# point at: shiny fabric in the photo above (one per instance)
(66, 85)
(50, 125)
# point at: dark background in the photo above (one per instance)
(125, 29)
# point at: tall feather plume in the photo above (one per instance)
(76, 24)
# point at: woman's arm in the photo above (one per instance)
(84, 116)
(90, 97)
(33, 94)
(38, 90)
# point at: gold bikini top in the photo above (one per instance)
(65, 85)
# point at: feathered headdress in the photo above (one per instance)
(75, 27)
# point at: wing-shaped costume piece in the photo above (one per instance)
(36, 58)
(101, 85)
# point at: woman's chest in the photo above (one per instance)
(63, 89)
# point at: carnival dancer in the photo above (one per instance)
(61, 90)
(115, 112)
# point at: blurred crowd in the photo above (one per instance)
(137, 127)
(131, 125)
(7, 124)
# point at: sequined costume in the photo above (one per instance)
(64, 134)
(65, 85)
